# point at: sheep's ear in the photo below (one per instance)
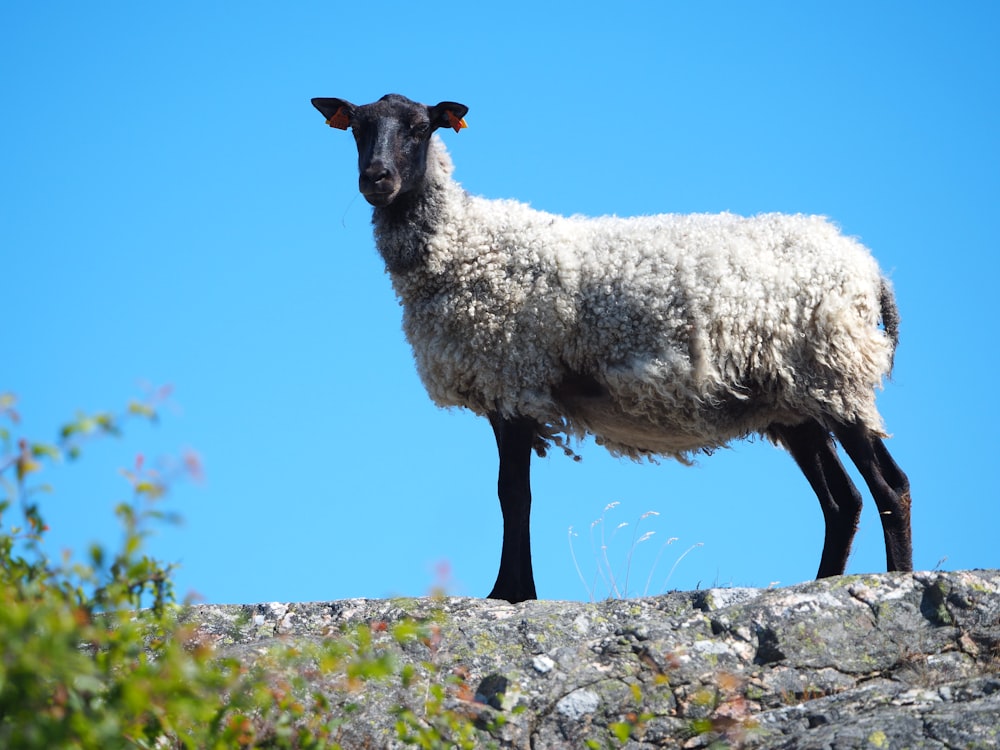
(448, 115)
(338, 112)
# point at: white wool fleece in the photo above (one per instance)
(660, 335)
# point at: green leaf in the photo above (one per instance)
(621, 730)
(140, 409)
(701, 726)
(45, 450)
(106, 423)
(407, 675)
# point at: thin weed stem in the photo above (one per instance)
(676, 563)
(576, 564)
(607, 563)
(601, 553)
(636, 543)
(652, 570)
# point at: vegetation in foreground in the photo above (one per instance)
(94, 654)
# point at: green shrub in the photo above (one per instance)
(75, 670)
(94, 655)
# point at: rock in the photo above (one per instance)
(884, 661)
(578, 704)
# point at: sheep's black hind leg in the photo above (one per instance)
(889, 486)
(813, 449)
(515, 439)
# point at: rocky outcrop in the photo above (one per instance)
(884, 661)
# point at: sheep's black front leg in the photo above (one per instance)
(812, 447)
(515, 439)
(890, 488)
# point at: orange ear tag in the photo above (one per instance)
(455, 122)
(339, 120)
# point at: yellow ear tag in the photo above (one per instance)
(455, 122)
(339, 120)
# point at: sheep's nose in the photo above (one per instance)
(376, 173)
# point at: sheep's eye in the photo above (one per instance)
(419, 131)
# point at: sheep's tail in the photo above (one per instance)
(890, 319)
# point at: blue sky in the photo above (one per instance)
(173, 211)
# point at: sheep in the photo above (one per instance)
(658, 335)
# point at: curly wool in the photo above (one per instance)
(659, 335)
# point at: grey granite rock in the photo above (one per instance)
(880, 661)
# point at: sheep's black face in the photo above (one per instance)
(392, 140)
(392, 135)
